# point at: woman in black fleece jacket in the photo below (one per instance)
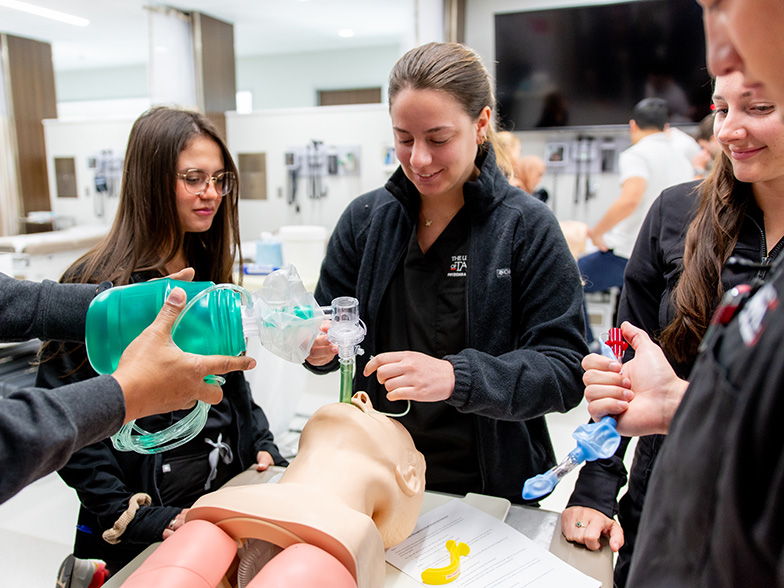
(675, 278)
(471, 297)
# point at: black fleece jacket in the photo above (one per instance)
(524, 319)
(653, 271)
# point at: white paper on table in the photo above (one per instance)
(500, 557)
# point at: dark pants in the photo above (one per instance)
(600, 271)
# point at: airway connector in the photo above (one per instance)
(347, 330)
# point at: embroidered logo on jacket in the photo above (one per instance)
(503, 272)
(459, 267)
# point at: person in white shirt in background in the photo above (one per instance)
(646, 168)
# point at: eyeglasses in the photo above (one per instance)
(197, 182)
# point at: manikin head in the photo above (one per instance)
(365, 458)
(354, 489)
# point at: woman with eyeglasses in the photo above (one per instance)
(178, 208)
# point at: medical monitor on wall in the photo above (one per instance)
(589, 65)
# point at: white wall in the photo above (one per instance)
(280, 86)
(293, 80)
(128, 81)
(83, 139)
(275, 131)
(271, 132)
(275, 81)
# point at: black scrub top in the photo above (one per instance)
(424, 309)
(186, 469)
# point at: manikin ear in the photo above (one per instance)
(410, 477)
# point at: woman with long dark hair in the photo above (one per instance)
(678, 273)
(178, 208)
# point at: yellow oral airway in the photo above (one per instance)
(450, 572)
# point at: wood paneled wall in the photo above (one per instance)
(33, 98)
(216, 85)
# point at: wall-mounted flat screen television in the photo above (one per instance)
(589, 65)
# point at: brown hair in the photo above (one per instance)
(147, 233)
(705, 128)
(710, 240)
(456, 70)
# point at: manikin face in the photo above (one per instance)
(749, 130)
(362, 428)
(747, 36)
(197, 212)
(436, 141)
(383, 457)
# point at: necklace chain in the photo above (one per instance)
(429, 221)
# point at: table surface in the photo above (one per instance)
(541, 526)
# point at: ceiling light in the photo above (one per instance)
(45, 12)
(346, 33)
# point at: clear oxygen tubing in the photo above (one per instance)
(398, 414)
(188, 427)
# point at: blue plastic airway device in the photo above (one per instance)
(594, 441)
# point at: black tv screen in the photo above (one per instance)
(590, 65)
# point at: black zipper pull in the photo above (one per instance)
(735, 263)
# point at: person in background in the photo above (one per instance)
(178, 208)
(709, 147)
(529, 170)
(646, 168)
(712, 516)
(470, 295)
(510, 145)
(40, 429)
(526, 171)
(675, 277)
(509, 150)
